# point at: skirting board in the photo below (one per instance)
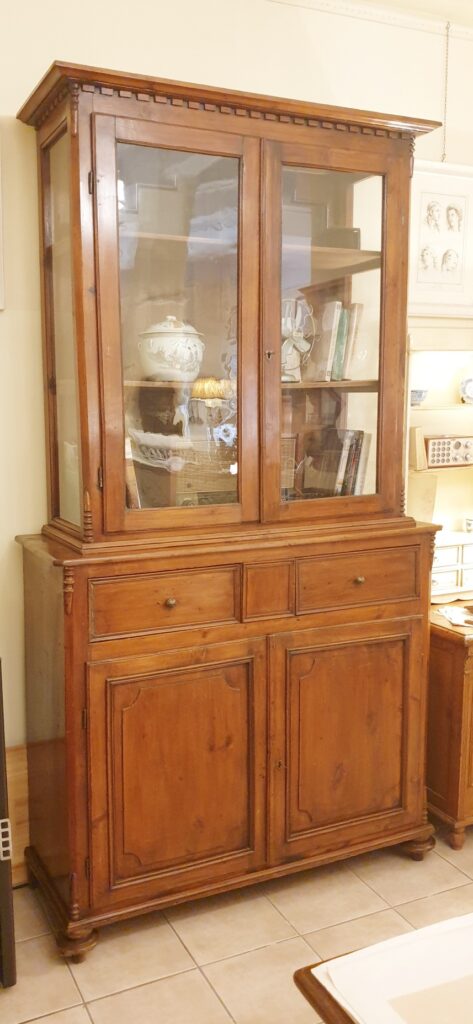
(17, 781)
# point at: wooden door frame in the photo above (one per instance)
(107, 131)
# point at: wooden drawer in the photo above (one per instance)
(355, 578)
(127, 605)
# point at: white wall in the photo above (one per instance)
(301, 50)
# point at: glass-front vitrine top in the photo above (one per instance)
(178, 240)
(331, 260)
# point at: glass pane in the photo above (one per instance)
(178, 233)
(58, 240)
(330, 332)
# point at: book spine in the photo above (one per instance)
(354, 317)
(352, 463)
(363, 463)
(347, 442)
(340, 346)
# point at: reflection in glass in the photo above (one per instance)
(178, 235)
(58, 239)
(330, 332)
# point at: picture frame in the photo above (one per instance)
(441, 240)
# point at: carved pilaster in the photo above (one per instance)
(403, 500)
(88, 532)
(74, 91)
(68, 588)
(412, 147)
(432, 550)
(73, 900)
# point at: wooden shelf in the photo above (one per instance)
(153, 236)
(344, 385)
(158, 384)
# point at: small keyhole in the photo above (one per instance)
(269, 355)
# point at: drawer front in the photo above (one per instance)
(445, 581)
(357, 578)
(467, 578)
(449, 555)
(468, 554)
(127, 605)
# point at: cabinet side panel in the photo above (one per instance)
(445, 686)
(44, 624)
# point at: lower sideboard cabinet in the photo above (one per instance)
(450, 727)
(186, 739)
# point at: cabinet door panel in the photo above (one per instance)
(177, 768)
(334, 272)
(177, 246)
(348, 751)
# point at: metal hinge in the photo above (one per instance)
(84, 718)
(91, 181)
(87, 868)
(5, 839)
(100, 478)
(52, 385)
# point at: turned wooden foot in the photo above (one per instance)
(456, 838)
(417, 848)
(75, 947)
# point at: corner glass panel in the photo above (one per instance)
(178, 237)
(61, 319)
(330, 332)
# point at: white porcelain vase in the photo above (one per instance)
(171, 350)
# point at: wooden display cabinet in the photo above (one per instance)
(450, 727)
(227, 610)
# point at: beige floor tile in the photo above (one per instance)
(398, 879)
(77, 1015)
(227, 925)
(363, 931)
(431, 909)
(44, 985)
(183, 999)
(461, 859)
(258, 987)
(323, 897)
(30, 919)
(131, 953)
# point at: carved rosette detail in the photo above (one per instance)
(68, 588)
(87, 527)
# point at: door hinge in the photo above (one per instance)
(91, 181)
(5, 839)
(87, 868)
(84, 718)
(100, 478)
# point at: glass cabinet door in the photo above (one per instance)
(182, 322)
(325, 318)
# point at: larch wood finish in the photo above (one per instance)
(202, 681)
(450, 728)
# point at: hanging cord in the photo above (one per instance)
(445, 97)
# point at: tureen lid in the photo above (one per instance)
(171, 325)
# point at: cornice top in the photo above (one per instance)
(64, 77)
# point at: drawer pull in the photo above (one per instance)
(170, 602)
(359, 580)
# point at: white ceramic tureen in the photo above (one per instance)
(171, 350)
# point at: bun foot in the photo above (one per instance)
(74, 947)
(417, 848)
(456, 838)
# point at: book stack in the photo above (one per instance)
(335, 462)
(334, 347)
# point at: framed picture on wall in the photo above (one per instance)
(441, 240)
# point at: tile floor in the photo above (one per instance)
(232, 957)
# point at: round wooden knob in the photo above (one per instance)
(170, 602)
(359, 579)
